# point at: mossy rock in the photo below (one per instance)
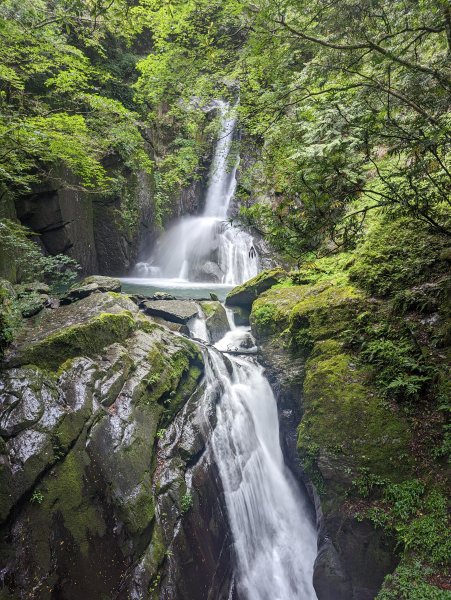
(294, 308)
(346, 427)
(397, 255)
(90, 285)
(245, 294)
(216, 320)
(87, 339)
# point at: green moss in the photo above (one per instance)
(209, 308)
(345, 418)
(174, 377)
(288, 309)
(87, 339)
(245, 294)
(398, 254)
(64, 493)
(408, 583)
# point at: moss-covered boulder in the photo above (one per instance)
(216, 320)
(84, 396)
(91, 285)
(243, 295)
(346, 429)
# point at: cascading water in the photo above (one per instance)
(207, 248)
(274, 538)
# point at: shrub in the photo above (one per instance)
(186, 503)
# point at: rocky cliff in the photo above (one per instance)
(106, 488)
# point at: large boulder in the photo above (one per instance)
(216, 320)
(177, 311)
(244, 295)
(91, 285)
(345, 428)
(85, 395)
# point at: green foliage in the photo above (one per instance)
(54, 81)
(396, 255)
(10, 317)
(59, 271)
(263, 315)
(37, 497)
(186, 503)
(417, 515)
(400, 371)
(408, 583)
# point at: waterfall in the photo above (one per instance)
(274, 538)
(207, 248)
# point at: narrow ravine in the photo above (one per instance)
(274, 539)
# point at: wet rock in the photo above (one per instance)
(244, 295)
(90, 285)
(178, 327)
(77, 448)
(211, 272)
(330, 581)
(240, 315)
(216, 320)
(162, 296)
(177, 311)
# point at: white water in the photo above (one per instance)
(274, 538)
(207, 248)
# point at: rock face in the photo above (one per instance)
(243, 295)
(100, 439)
(344, 430)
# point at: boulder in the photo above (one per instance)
(90, 285)
(245, 294)
(178, 327)
(79, 428)
(345, 429)
(176, 311)
(240, 315)
(216, 320)
(162, 296)
(211, 272)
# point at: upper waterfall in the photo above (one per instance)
(206, 248)
(222, 181)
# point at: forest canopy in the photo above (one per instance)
(347, 102)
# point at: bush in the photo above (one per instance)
(59, 271)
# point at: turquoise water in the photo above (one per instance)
(177, 287)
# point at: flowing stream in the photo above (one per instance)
(273, 536)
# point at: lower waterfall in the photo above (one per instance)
(273, 536)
